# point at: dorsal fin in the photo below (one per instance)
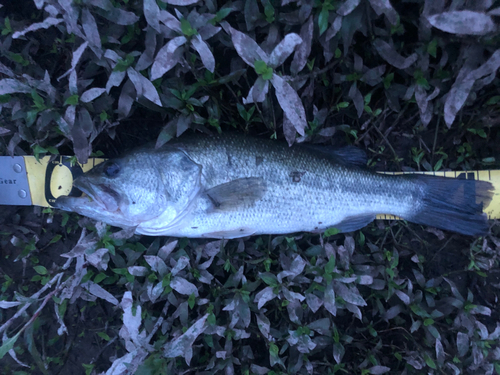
(348, 156)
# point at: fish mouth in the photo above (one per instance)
(100, 197)
(101, 194)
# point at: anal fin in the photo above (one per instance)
(352, 223)
(230, 234)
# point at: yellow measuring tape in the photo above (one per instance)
(49, 179)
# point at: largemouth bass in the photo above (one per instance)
(233, 186)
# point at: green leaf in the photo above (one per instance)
(243, 113)
(97, 154)
(65, 218)
(268, 75)
(41, 270)
(361, 240)
(38, 100)
(87, 276)
(331, 232)
(8, 345)
(493, 100)
(428, 322)
(191, 300)
(438, 165)
(5, 98)
(31, 117)
(310, 64)
(220, 15)
(432, 48)
(263, 70)
(186, 28)
(260, 67)
(103, 335)
(353, 77)
(122, 65)
(99, 277)
(53, 150)
(72, 100)
(273, 349)
(88, 368)
(37, 150)
(7, 29)
(211, 319)
(269, 279)
(330, 266)
(368, 98)
(323, 20)
(16, 57)
(388, 79)
(54, 239)
(269, 12)
(430, 362)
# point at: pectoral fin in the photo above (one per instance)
(237, 193)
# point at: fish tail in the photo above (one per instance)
(454, 204)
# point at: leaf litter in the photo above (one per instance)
(238, 305)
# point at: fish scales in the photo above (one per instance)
(232, 186)
(305, 192)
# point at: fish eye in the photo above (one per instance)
(112, 170)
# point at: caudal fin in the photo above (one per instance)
(454, 204)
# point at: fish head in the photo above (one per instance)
(129, 191)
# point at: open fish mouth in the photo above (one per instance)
(99, 196)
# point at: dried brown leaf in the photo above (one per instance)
(389, 54)
(143, 86)
(463, 22)
(258, 91)
(247, 48)
(303, 50)
(182, 286)
(291, 104)
(166, 57)
(347, 7)
(91, 94)
(170, 21)
(48, 22)
(182, 345)
(182, 2)
(152, 14)
(284, 49)
(115, 79)
(116, 15)
(126, 99)
(204, 51)
(11, 86)
(357, 99)
(329, 299)
(385, 7)
(377, 370)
